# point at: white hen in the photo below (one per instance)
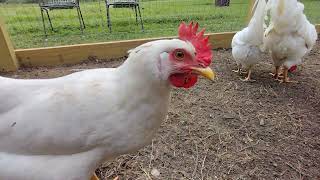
(290, 35)
(246, 44)
(64, 128)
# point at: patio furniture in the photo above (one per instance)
(134, 4)
(47, 5)
(222, 3)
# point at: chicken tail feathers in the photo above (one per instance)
(256, 24)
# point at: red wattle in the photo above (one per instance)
(183, 80)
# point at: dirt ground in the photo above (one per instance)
(227, 129)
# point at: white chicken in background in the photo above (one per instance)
(290, 36)
(64, 128)
(247, 44)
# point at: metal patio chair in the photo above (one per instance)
(221, 3)
(47, 5)
(134, 4)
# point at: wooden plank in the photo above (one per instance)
(221, 40)
(74, 54)
(53, 56)
(318, 28)
(8, 58)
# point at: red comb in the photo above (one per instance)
(198, 40)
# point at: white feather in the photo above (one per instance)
(246, 44)
(64, 128)
(290, 35)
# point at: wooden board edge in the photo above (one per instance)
(8, 56)
(318, 28)
(53, 56)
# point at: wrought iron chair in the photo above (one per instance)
(47, 5)
(222, 3)
(134, 4)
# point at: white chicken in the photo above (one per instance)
(290, 36)
(64, 128)
(247, 44)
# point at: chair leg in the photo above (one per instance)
(81, 27)
(140, 18)
(108, 18)
(44, 24)
(84, 26)
(135, 10)
(94, 177)
(49, 19)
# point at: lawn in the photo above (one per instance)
(161, 18)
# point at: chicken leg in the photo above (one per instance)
(248, 78)
(285, 76)
(276, 74)
(94, 177)
(239, 71)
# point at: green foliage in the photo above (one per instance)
(22, 1)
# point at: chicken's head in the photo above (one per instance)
(190, 62)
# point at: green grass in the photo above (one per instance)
(161, 18)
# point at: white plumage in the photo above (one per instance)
(246, 44)
(63, 128)
(290, 36)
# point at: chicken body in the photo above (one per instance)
(290, 36)
(64, 128)
(246, 44)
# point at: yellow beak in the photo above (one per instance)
(206, 72)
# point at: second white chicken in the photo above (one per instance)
(290, 36)
(246, 44)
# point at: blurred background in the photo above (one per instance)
(160, 18)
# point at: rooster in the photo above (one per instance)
(247, 44)
(64, 128)
(289, 37)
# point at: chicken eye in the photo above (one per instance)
(179, 55)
